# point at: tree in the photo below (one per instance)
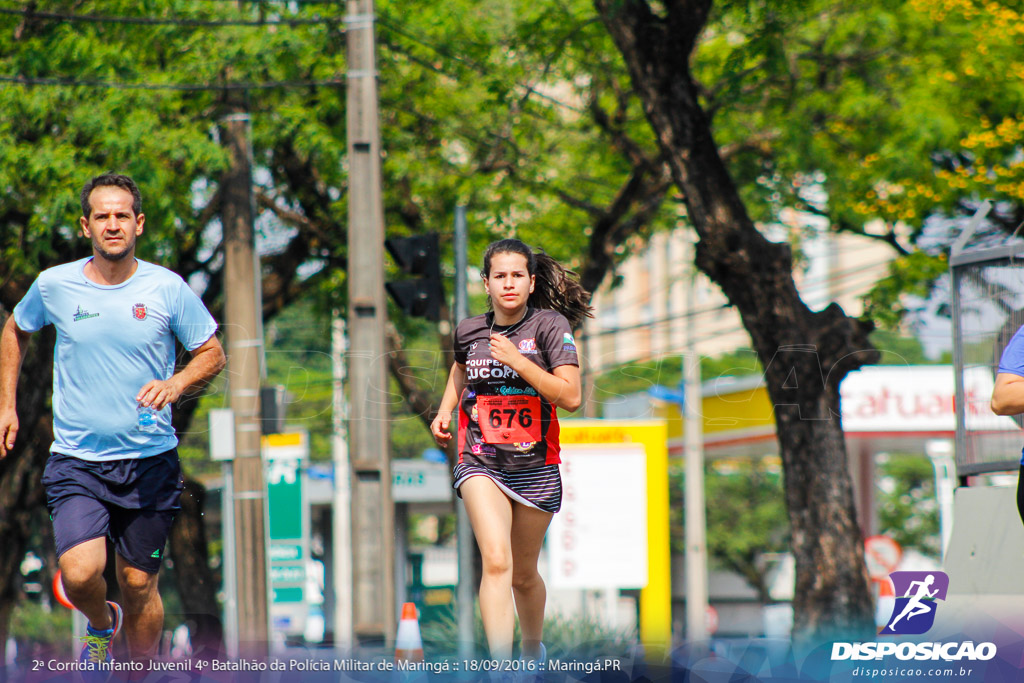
(140, 89)
(908, 511)
(746, 521)
(805, 354)
(108, 111)
(525, 112)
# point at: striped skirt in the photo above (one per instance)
(539, 488)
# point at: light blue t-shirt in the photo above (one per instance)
(112, 340)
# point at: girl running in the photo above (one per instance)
(513, 367)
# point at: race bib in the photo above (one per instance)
(509, 419)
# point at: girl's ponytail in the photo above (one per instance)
(558, 289)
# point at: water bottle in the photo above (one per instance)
(146, 419)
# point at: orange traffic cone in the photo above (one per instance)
(408, 644)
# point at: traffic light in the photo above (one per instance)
(417, 255)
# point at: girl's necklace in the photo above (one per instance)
(511, 328)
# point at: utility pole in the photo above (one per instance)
(695, 528)
(342, 500)
(244, 343)
(373, 591)
(464, 532)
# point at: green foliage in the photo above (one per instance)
(899, 350)
(738, 363)
(911, 275)
(907, 508)
(745, 515)
(631, 378)
(586, 639)
(35, 624)
(565, 638)
(838, 109)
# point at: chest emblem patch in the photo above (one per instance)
(528, 345)
(139, 311)
(80, 314)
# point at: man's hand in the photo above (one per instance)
(158, 393)
(8, 430)
(207, 361)
(13, 344)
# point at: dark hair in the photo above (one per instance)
(556, 288)
(111, 180)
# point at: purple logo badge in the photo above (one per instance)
(916, 593)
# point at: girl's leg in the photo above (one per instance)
(490, 515)
(528, 528)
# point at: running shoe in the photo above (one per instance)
(541, 657)
(97, 647)
(533, 667)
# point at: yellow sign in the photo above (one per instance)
(656, 597)
(743, 413)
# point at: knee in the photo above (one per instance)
(136, 584)
(496, 561)
(526, 578)
(80, 576)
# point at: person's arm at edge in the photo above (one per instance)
(207, 360)
(1008, 394)
(13, 345)
(449, 401)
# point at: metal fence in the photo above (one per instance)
(988, 309)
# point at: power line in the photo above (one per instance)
(847, 289)
(383, 20)
(169, 21)
(659, 321)
(386, 22)
(809, 286)
(187, 87)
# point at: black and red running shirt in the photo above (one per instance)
(503, 421)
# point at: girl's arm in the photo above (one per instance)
(560, 387)
(450, 400)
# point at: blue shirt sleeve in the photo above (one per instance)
(30, 313)
(1012, 360)
(192, 324)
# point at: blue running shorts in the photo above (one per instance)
(131, 501)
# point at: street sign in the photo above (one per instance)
(285, 457)
(882, 555)
(595, 544)
(420, 481)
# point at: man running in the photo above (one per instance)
(113, 470)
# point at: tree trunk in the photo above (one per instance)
(189, 549)
(22, 499)
(805, 354)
